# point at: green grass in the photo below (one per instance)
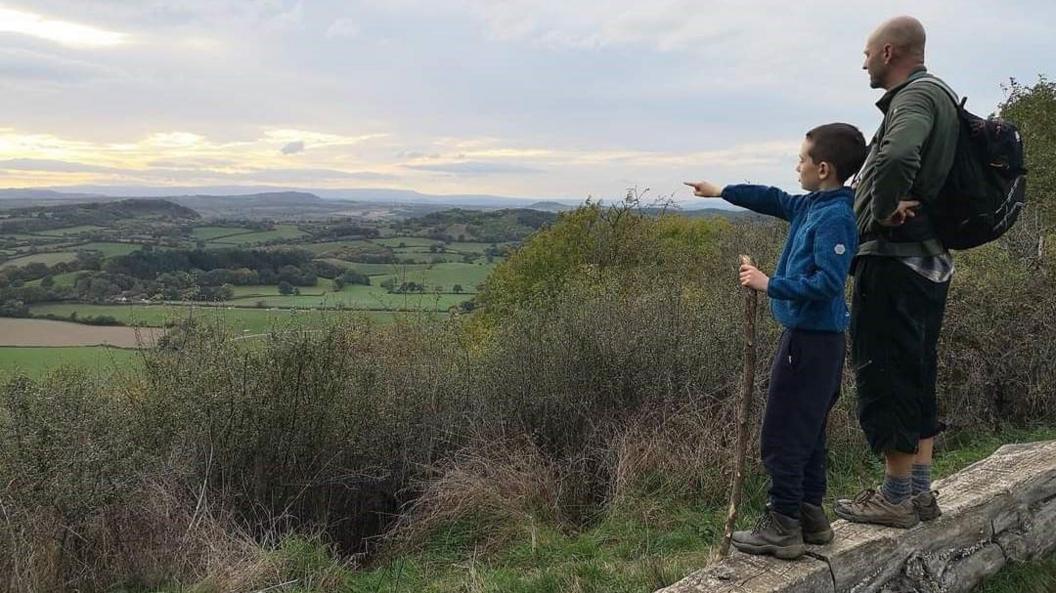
(272, 289)
(649, 542)
(73, 230)
(1030, 577)
(282, 231)
(426, 257)
(64, 279)
(49, 258)
(445, 275)
(468, 247)
(36, 238)
(240, 320)
(357, 296)
(385, 269)
(109, 249)
(406, 241)
(208, 233)
(328, 246)
(36, 361)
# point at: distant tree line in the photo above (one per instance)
(170, 275)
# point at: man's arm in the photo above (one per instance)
(834, 245)
(909, 124)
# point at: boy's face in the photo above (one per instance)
(809, 175)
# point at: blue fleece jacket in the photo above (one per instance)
(806, 290)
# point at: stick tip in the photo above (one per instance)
(746, 260)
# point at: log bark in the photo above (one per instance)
(999, 510)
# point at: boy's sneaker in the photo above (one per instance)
(870, 506)
(774, 534)
(927, 506)
(816, 528)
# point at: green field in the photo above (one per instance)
(73, 230)
(360, 297)
(444, 275)
(65, 279)
(282, 231)
(36, 238)
(272, 290)
(241, 320)
(380, 269)
(328, 246)
(209, 233)
(470, 247)
(34, 361)
(406, 241)
(50, 258)
(255, 310)
(109, 249)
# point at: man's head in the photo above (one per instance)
(829, 155)
(893, 50)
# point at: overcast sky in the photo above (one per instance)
(533, 98)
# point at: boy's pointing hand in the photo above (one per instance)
(705, 189)
(752, 278)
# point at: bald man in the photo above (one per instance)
(902, 273)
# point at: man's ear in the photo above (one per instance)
(889, 53)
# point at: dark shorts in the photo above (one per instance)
(896, 315)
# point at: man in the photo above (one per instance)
(902, 274)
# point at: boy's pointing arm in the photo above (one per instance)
(762, 199)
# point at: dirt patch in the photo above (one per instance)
(45, 332)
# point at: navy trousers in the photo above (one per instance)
(804, 385)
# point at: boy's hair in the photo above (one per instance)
(840, 145)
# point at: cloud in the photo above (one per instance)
(288, 135)
(309, 175)
(293, 147)
(190, 163)
(343, 27)
(62, 32)
(54, 166)
(474, 168)
(24, 65)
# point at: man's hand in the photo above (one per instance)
(705, 189)
(906, 210)
(752, 278)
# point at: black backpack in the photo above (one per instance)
(985, 189)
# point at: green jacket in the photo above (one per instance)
(909, 158)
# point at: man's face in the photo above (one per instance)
(874, 64)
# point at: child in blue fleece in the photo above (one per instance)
(807, 298)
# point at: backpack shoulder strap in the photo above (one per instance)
(942, 85)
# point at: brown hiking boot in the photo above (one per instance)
(816, 528)
(774, 534)
(870, 506)
(926, 505)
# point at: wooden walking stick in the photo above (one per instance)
(751, 299)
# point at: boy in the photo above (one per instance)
(807, 298)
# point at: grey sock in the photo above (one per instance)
(921, 477)
(896, 490)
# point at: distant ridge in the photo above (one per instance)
(228, 198)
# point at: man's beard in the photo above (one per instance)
(876, 80)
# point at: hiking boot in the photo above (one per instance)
(926, 504)
(816, 528)
(774, 534)
(870, 506)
